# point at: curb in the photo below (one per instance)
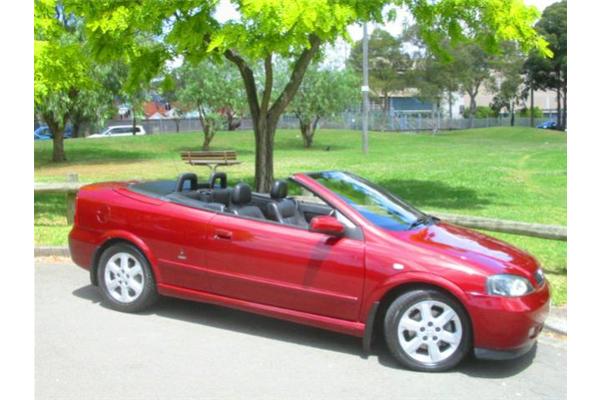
(48, 251)
(556, 326)
(557, 320)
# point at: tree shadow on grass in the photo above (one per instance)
(437, 194)
(97, 155)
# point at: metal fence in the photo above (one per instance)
(350, 120)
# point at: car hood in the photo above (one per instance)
(491, 256)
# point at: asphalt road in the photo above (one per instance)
(181, 350)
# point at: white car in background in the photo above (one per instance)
(120, 130)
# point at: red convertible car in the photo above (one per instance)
(327, 249)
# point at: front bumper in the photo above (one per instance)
(508, 325)
(490, 354)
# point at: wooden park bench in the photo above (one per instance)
(211, 159)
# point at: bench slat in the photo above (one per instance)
(212, 162)
(211, 159)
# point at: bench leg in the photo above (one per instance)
(213, 168)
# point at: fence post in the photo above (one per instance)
(71, 195)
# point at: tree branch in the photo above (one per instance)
(249, 81)
(296, 78)
(264, 106)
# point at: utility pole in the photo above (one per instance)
(365, 90)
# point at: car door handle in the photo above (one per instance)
(223, 234)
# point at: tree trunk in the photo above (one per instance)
(209, 134)
(263, 168)
(134, 122)
(232, 122)
(208, 128)
(558, 110)
(58, 150)
(76, 127)
(266, 115)
(308, 128)
(450, 101)
(177, 121)
(512, 113)
(472, 109)
(531, 108)
(434, 116)
(564, 119)
(57, 128)
(386, 110)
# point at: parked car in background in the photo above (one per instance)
(338, 252)
(120, 130)
(548, 125)
(43, 133)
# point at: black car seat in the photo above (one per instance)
(241, 196)
(283, 209)
(221, 193)
(217, 176)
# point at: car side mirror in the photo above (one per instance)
(328, 225)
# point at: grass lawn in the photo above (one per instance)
(510, 173)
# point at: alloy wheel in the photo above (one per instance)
(430, 331)
(124, 277)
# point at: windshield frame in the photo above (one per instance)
(413, 217)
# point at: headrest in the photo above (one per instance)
(221, 177)
(242, 194)
(188, 176)
(279, 190)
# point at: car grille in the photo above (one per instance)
(539, 276)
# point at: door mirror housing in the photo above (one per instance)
(328, 225)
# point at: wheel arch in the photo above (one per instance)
(381, 303)
(126, 238)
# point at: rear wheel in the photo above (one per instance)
(125, 278)
(427, 330)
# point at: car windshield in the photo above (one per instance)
(373, 202)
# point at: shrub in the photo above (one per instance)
(525, 112)
(480, 112)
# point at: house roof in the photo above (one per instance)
(152, 107)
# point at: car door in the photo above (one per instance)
(285, 266)
(175, 234)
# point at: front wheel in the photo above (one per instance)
(427, 330)
(125, 278)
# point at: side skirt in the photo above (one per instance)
(353, 328)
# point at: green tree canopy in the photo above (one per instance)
(61, 69)
(388, 64)
(550, 73)
(211, 89)
(509, 83)
(323, 93)
(295, 29)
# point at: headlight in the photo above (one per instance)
(508, 285)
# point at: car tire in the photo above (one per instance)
(125, 279)
(427, 330)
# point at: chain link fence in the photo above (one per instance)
(348, 121)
